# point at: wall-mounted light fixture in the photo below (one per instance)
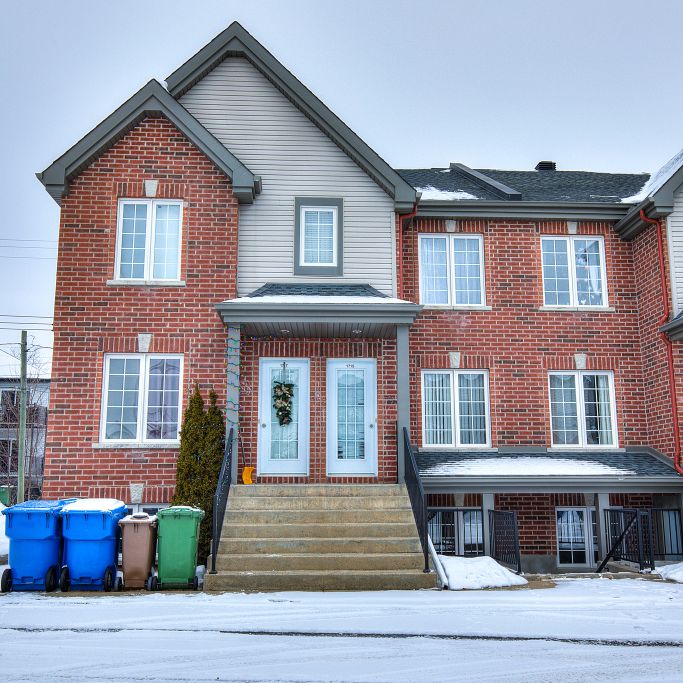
(451, 225)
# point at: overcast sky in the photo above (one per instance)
(593, 85)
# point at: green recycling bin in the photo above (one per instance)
(177, 538)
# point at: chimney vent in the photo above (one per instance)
(546, 166)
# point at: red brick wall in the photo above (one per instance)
(631, 500)
(519, 343)
(448, 500)
(92, 318)
(318, 351)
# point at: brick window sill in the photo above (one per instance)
(145, 283)
(164, 445)
(578, 309)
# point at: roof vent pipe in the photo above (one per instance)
(546, 166)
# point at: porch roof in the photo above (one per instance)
(634, 470)
(318, 310)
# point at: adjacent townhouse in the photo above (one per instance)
(486, 341)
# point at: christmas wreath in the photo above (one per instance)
(283, 393)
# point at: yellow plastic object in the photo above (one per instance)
(246, 475)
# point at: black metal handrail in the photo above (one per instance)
(504, 539)
(417, 497)
(630, 537)
(456, 530)
(667, 539)
(220, 498)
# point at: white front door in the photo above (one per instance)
(283, 416)
(351, 417)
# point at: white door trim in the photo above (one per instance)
(368, 465)
(266, 464)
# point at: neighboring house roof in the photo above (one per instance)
(318, 289)
(150, 100)
(470, 189)
(236, 41)
(632, 469)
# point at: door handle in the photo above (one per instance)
(263, 425)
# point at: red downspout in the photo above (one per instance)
(399, 247)
(666, 310)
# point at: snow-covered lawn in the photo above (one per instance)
(582, 630)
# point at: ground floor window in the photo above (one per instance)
(577, 541)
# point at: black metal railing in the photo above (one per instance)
(417, 497)
(667, 536)
(220, 498)
(456, 531)
(629, 535)
(504, 539)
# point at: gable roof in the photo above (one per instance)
(151, 99)
(236, 41)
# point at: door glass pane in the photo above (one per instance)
(588, 259)
(563, 410)
(571, 536)
(434, 270)
(167, 242)
(596, 398)
(472, 404)
(133, 241)
(284, 439)
(122, 398)
(350, 414)
(467, 267)
(555, 272)
(318, 236)
(162, 398)
(438, 412)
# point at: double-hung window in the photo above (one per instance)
(318, 236)
(455, 408)
(582, 409)
(142, 398)
(574, 271)
(148, 239)
(452, 270)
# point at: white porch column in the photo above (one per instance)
(232, 399)
(601, 504)
(487, 503)
(402, 392)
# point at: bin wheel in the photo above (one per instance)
(119, 584)
(64, 580)
(6, 581)
(51, 579)
(108, 582)
(195, 583)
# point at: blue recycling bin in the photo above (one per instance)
(34, 529)
(91, 533)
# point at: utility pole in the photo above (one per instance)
(23, 390)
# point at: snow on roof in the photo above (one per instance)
(305, 299)
(535, 466)
(94, 505)
(657, 179)
(431, 192)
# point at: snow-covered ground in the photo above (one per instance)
(672, 572)
(582, 630)
(471, 573)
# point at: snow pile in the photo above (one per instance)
(537, 466)
(431, 192)
(473, 573)
(4, 541)
(94, 505)
(672, 572)
(317, 300)
(657, 179)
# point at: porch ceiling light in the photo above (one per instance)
(356, 332)
(285, 331)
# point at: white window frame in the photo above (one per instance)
(302, 235)
(589, 517)
(450, 238)
(150, 235)
(143, 387)
(455, 403)
(581, 411)
(573, 285)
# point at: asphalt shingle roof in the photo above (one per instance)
(315, 289)
(535, 186)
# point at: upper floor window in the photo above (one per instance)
(582, 409)
(142, 397)
(148, 239)
(318, 236)
(455, 408)
(574, 271)
(452, 270)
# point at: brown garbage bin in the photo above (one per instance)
(139, 542)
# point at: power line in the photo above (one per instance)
(35, 258)
(12, 315)
(26, 246)
(21, 239)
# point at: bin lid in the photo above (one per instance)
(139, 518)
(180, 511)
(95, 505)
(53, 506)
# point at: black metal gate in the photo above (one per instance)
(504, 539)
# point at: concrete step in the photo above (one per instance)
(253, 502)
(380, 530)
(311, 580)
(270, 517)
(318, 561)
(301, 490)
(357, 545)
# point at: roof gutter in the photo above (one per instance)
(668, 344)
